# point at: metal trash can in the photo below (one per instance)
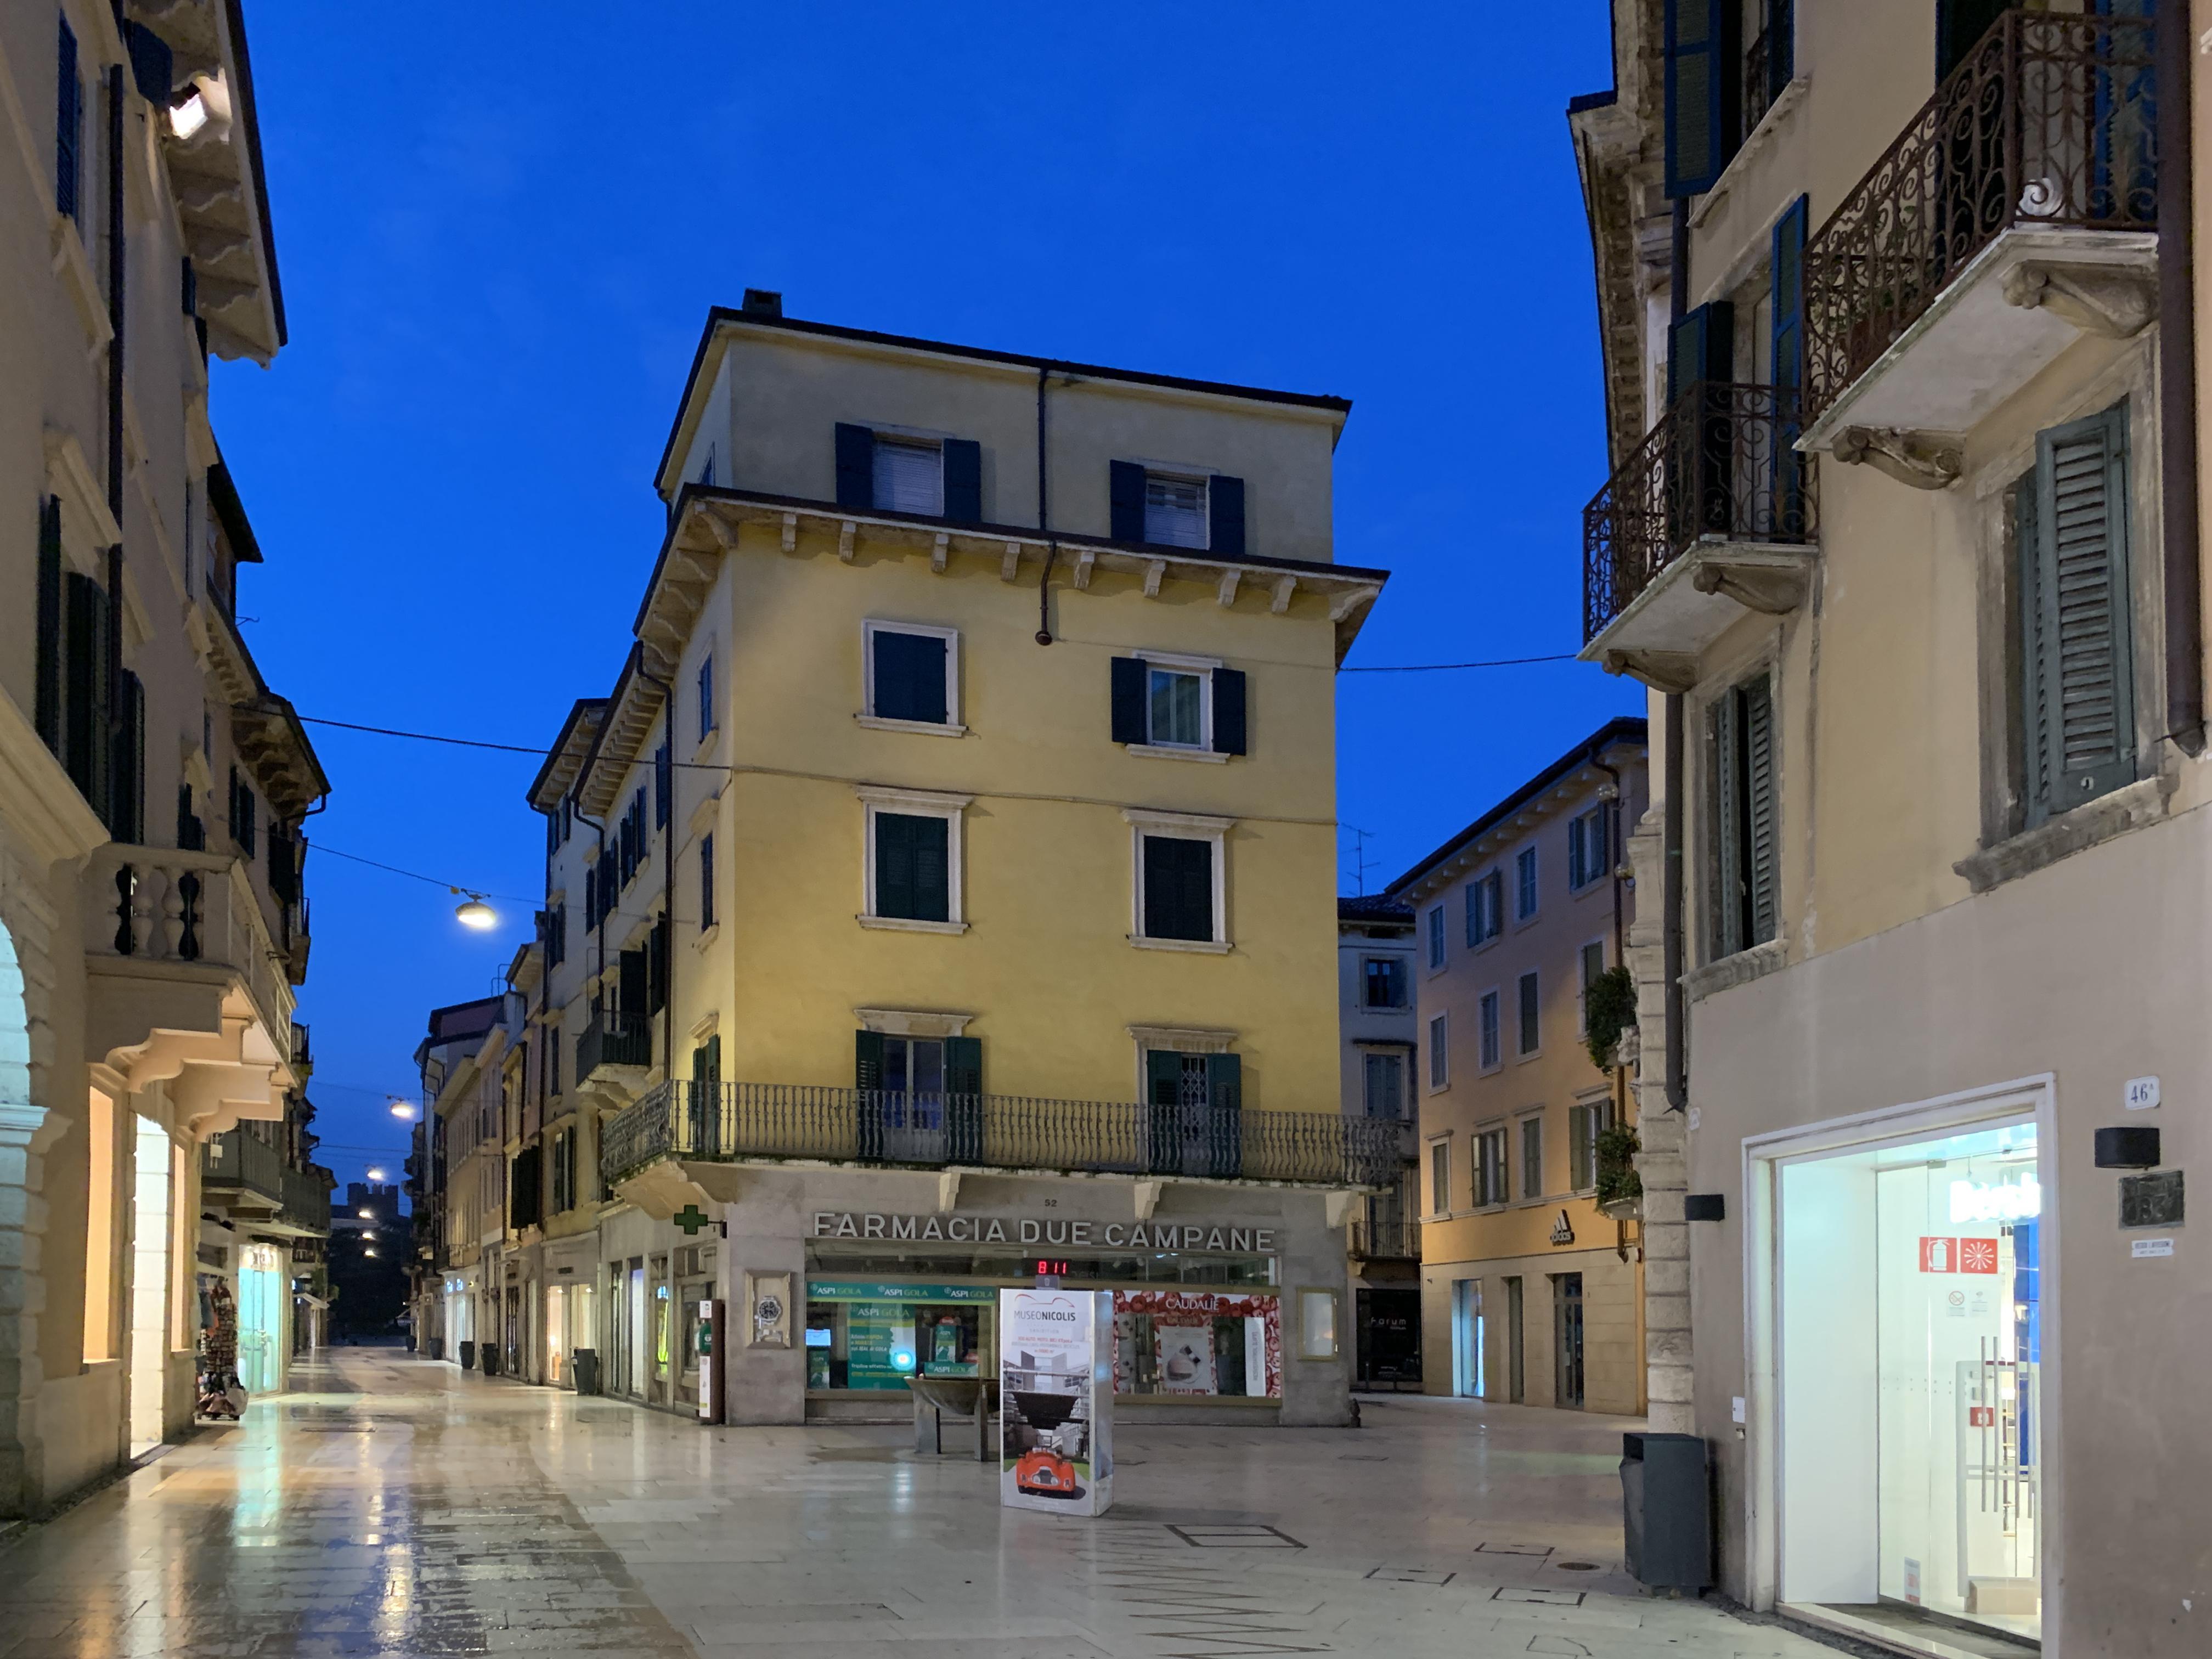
(468, 1355)
(1666, 1498)
(584, 1366)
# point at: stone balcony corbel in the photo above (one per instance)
(1925, 460)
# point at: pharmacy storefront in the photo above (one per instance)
(1909, 1345)
(1229, 1303)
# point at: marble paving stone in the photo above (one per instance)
(389, 1507)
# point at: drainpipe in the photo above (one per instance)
(667, 882)
(1044, 525)
(1611, 851)
(1670, 925)
(2177, 383)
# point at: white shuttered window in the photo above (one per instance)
(909, 476)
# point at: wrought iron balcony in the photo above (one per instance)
(1384, 1241)
(768, 1122)
(243, 1169)
(613, 1038)
(1711, 514)
(2043, 135)
(306, 1201)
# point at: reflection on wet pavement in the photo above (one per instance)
(392, 1506)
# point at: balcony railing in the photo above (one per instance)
(613, 1038)
(2049, 122)
(306, 1201)
(166, 905)
(1385, 1241)
(236, 1161)
(1719, 465)
(730, 1122)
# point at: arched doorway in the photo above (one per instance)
(21, 1124)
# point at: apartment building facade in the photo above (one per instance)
(1375, 966)
(1902, 536)
(152, 927)
(1530, 1292)
(942, 898)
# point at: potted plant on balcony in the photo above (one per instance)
(1619, 1188)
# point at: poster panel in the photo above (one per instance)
(1056, 1400)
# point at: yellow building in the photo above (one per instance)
(1903, 535)
(1530, 1292)
(946, 893)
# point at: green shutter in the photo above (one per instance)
(1225, 1137)
(1163, 1122)
(715, 1058)
(913, 867)
(2078, 694)
(1761, 873)
(1224, 1082)
(1725, 723)
(867, 1059)
(964, 1104)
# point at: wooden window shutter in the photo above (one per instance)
(1129, 689)
(84, 698)
(630, 997)
(69, 128)
(1224, 1082)
(1164, 1076)
(1701, 346)
(664, 786)
(964, 1104)
(1228, 711)
(1125, 493)
(1225, 510)
(1224, 1090)
(2078, 697)
(1788, 267)
(1778, 21)
(715, 1058)
(1726, 738)
(47, 698)
(867, 1059)
(856, 466)
(963, 481)
(1178, 888)
(912, 874)
(1762, 852)
(1704, 88)
(127, 821)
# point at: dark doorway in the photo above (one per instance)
(1567, 1316)
(1516, 1370)
(1390, 1339)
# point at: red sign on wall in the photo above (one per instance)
(1939, 1255)
(1978, 1256)
(1981, 1417)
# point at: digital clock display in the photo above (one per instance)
(1045, 1267)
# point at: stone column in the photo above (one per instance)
(1662, 1161)
(26, 1130)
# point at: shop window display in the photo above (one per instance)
(1197, 1342)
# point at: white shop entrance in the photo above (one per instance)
(1906, 1323)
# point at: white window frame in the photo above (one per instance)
(1399, 1052)
(899, 439)
(1398, 956)
(1477, 939)
(1437, 1033)
(1182, 826)
(1499, 1127)
(1602, 867)
(1494, 998)
(1519, 1052)
(1435, 945)
(1438, 1144)
(1204, 668)
(872, 626)
(706, 694)
(918, 804)
(1598, 1104)
(1533, 890)
(1203, 479)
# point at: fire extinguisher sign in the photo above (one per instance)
(1958, 1256)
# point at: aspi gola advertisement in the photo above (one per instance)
(1056, 1400)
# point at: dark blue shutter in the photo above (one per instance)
(1788, 376)
(963, 1103)
(47, 699)
(1779, 24)
(153, 65)
(1228, 711)
(913, 867)
(69, 129)
(1129, 724)
(664, 786)
(909, 676)
(856, 467)
(1225, 1088)
(127, 819)
(1224, 498)
(963, 481)
(1178, 888)
(1703, 76)
(1701, 346)
(1125, 493)
(84, 704)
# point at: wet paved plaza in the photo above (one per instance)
(392, 1506)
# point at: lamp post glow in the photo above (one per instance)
(401, 1109)
(375, 1174)
(473, 912)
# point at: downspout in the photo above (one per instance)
(667, 882)
(1670, 924)
(1044, 524)
(1611, 851)
(2177, 382)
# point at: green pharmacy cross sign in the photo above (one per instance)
(691, 1218)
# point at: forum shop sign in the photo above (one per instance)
(1056, 1400)
(1055, 1231)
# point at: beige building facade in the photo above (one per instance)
(152, 787)
(1903, 535)
(1530, 1294)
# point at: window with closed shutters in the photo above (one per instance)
(1532, 1157)
(1436, 937)
(1490, 1167)
(1524, 883)
(1178, 901)
(1492, 1044)
(913, 867)
(1584, 1122)
(909, 675)
(1592, 964)
(1440, 1177)
(1531, 1013)
(1744, 861)
(1440, 1051)
(1384, 1093)
(2076, 646)
(706, 882)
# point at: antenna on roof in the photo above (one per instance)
(1359, 860)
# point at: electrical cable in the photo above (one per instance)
(416, 875)
(1442, 667)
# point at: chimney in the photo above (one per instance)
(764, 302)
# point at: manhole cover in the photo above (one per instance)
(1575, 1566)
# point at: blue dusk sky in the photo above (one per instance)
(499, 228)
